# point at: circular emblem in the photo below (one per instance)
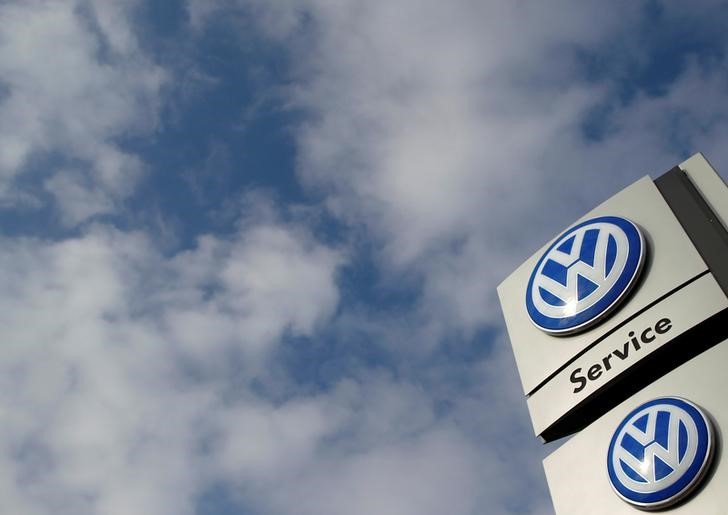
(585, 274)
(660, 452)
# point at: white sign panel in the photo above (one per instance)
(670, 260)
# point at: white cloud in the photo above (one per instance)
(454, 131)
(75, 83)
(272, 281)
(127, 386)
(100, 411)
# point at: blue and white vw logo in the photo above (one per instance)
(660, 452)
(584, 274)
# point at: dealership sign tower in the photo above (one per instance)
(619, 327)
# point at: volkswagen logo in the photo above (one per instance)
(660, 452)
(585, 274)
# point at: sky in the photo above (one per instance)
(249, 249)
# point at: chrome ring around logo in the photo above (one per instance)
(585, 274)
(660, 453)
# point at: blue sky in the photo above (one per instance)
(249, 249)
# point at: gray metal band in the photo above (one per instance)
(699, 221)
